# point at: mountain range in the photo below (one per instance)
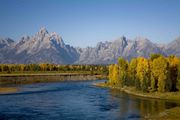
(45, 47)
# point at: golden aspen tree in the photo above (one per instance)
(22, 66)
(110, 74)
(143, 73)
(162, 79)
(160, 71)
(123, 72)
(132, 72)
(116, 75)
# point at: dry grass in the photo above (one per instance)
(7, 90)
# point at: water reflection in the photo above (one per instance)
(138, 106)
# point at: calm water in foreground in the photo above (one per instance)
(78, 100)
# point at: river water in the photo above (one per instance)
(77, 100)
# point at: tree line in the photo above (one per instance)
(45, 67)
(158, 73)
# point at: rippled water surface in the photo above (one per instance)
(79, 100)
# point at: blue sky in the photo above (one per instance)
(86, 22)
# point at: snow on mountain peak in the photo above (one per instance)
(42, 32)
(50, 47)
(6, 42)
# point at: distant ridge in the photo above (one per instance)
(45, 47)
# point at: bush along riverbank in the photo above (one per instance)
(156, 77)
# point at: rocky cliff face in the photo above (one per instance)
(45, 47)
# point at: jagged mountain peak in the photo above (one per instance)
(24, 39)
(43, 30)
(4, 42)
(42, 47)
(122, 38)
(44, 37)
(174, 43)
(50, 47)
(173, 47)
(41, 41)
(57, 38)
(8, 40)
(120, 42)
(143, 42)
(142, 39)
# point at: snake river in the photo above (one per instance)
(76, 100)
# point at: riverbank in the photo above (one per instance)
(157, 95)
(53, 73)
(26, 78)
(29, 73)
